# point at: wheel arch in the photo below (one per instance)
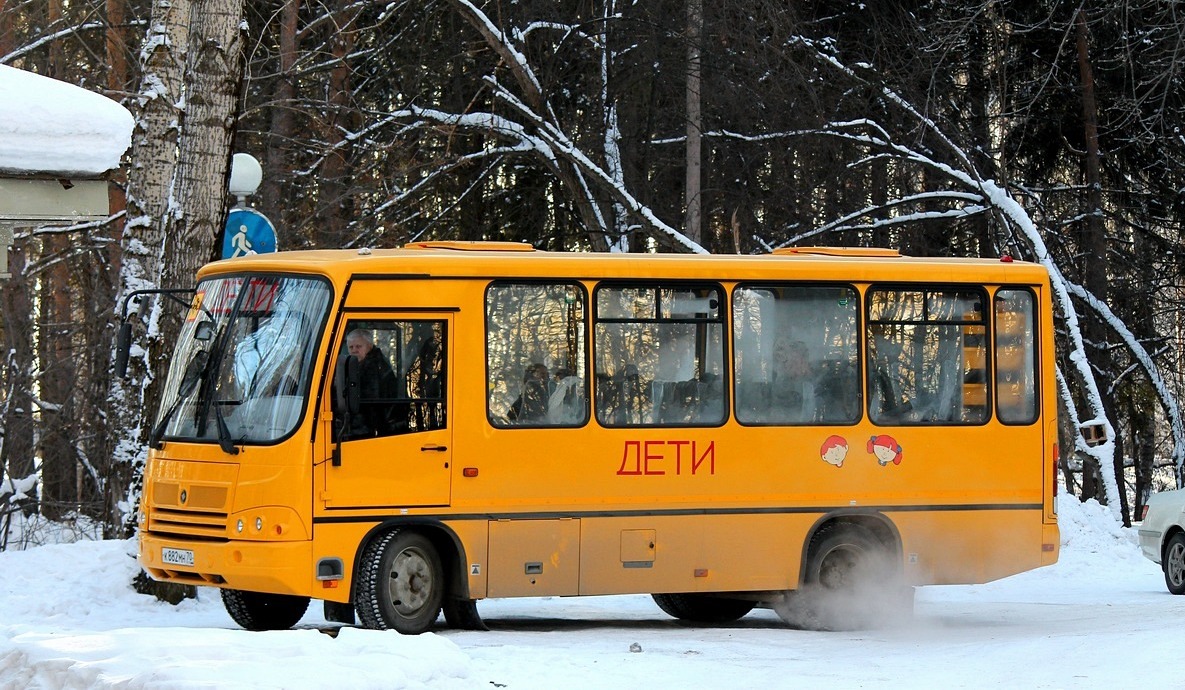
(448, 547)
(883, 528)
(1172, 530)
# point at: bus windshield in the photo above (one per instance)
(242, 367)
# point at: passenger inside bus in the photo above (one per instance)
(425, 379)
(377, 386)
(837, 391)
(792, 388)
(531, 403)
(566, 404)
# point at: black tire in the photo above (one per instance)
(400, 583)
(701, 608)
(461, 614)
(850, 582)
(260, 611)
(1173, 564)
(337, 612)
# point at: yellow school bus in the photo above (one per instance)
(401, 432)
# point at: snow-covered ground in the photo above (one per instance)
(1100, 618)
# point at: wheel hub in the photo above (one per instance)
(410, 582)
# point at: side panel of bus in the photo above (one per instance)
(593, 510)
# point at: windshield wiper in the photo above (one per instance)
(210, 396)
(194, 372)
(224, 441)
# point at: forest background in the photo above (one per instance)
(1049, 131)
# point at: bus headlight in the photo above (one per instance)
(270, 523)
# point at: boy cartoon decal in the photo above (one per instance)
(834, 450)
(886, 449)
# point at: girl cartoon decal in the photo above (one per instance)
(886, 449)
(834, 450)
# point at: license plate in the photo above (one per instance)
(176, 556)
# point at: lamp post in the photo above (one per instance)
(245, 176)
(247, 231)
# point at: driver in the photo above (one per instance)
(377, 385)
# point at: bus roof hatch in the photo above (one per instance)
(471, 246)
(864, 252)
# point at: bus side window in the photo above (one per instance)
(659, 355)
(1016, 356)
(926, 356)
(397, 369)
(535, 355)
(795, 354)
(423, 383)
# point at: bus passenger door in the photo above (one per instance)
(393, 433)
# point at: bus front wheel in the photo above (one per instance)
(261, 611)
(700, 608)
(401, 584)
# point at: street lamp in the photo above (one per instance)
(247, 231)
(245, 176)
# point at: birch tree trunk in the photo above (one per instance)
(179, 201)
(176, 199)
(149, 196)
(212, 83)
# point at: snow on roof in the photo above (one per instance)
(49, 126)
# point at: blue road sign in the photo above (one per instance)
(247, 232)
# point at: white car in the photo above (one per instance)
(1162, 536)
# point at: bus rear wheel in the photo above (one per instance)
(701, 608)
(261, 611)
(401, 584)
(850, 582)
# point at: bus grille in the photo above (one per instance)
(189, 508)
(188, 523)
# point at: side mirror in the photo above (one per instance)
(123, 345)
(204, 331)
(123, 341)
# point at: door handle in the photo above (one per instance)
(438, 449)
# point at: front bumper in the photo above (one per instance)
(279, 567)
(1150, 544)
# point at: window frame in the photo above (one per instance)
(1036, 345)
(395, 361)
(926, 288)
(585, 348)
(860, 337)
(723, 319)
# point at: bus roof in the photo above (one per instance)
(520, 260)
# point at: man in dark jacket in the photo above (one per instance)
(531, 404)
(378, 386)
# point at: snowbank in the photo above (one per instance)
(1097, 619)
